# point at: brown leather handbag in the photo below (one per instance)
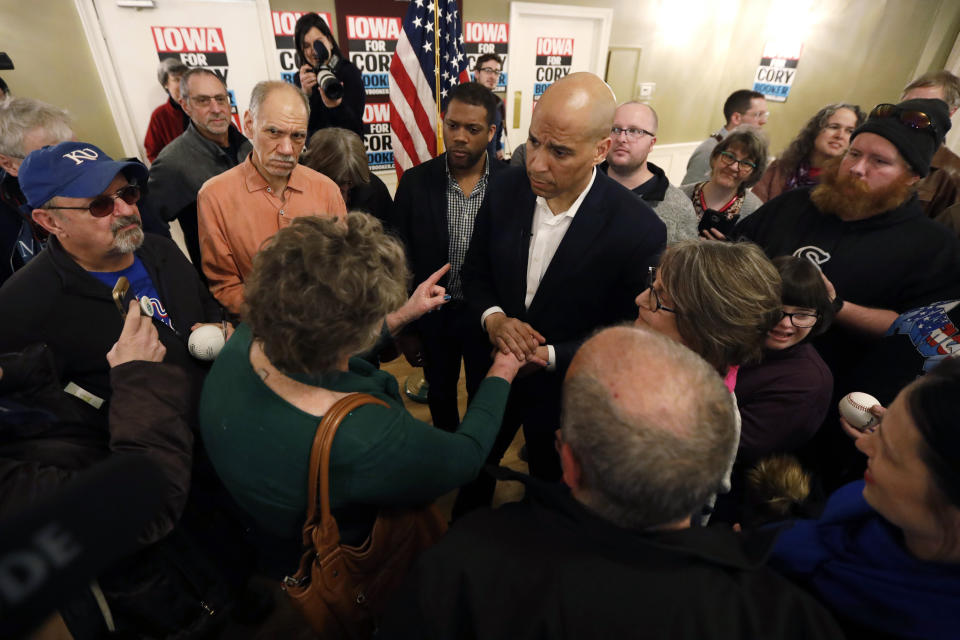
(340, 589)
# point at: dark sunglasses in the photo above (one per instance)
(909, 117)
(103, 205)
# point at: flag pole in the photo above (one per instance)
(436, 72)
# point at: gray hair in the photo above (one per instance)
(658, 460)
(196, 71)
(943, 79)
(19, 116)
(168, 66)
(265, 87)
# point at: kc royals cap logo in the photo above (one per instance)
(80, 155)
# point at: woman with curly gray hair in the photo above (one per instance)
(318, 294)
(825, 136)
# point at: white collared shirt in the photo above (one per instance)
(546, 234)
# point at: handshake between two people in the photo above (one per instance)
(515, 338)
(519, 348)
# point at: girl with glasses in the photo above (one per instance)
(784, 398)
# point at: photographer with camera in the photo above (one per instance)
(331, 82)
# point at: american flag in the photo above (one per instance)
(413, 80)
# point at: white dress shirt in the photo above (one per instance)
(546, 233)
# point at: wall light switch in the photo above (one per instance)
(646, 89)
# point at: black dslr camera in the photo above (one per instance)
(328, 82)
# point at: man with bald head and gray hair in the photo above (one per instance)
(647, 430)
(25, 125)
(558, 251)
(633, 135)
(240, 208)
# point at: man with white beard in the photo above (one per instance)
(63, 297)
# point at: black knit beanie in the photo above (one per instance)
(917, 146)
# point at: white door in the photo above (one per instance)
(232, 39)
(547, 42)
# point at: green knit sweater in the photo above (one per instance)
(260, 444)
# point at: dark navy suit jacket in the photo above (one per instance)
(594, 277)
(420, 215)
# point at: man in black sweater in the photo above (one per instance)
(879, 254)
(612, 554)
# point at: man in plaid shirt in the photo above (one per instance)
(434, 210)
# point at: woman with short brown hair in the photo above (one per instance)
(736, 164)
(318, 294)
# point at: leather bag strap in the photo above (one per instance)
(320, 457)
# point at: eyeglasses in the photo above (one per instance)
(909, 117)
(743, 166)
(633, 133)
(492, 70)
(104, 205)
(202, 101)
(651, 278)
(800, 319)
(757, 114)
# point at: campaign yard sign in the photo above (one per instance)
(376, 135)
(487, 37)
(777, 70)
(196, 46)
(371, 41)
(554, 56)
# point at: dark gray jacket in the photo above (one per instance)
(184, 165)
(178, 173)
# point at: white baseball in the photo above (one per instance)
(855, 408)
(206, 341)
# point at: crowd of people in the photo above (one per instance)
(674, 355)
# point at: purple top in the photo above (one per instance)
(783, 400)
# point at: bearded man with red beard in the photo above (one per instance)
(863, 226)
(63, 297)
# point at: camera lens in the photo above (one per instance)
(328, 82)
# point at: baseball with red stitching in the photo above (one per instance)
(855, 408)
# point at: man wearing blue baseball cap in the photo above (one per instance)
(63, 297)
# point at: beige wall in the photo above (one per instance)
(304, 5)
(699, 51)
(54, 64)
(696, 51)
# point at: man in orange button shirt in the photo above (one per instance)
(244, 206)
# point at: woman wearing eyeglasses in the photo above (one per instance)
(784, 398)
(825, 136)
(720, 299)
(736, 164)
